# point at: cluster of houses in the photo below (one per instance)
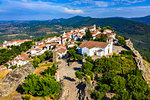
(14, 43)
(63, 42)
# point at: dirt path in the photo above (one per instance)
(67, 73)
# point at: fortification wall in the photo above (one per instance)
(14, 78)
(139, 60)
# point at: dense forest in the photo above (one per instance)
(117, 74)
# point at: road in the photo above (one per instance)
(67, 73)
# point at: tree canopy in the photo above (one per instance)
(117, 74)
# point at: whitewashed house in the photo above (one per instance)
(2, 67)
(14, 43)
(92, 28)
(107, 31)
(95, 48)
(61, 50)
(20, 60)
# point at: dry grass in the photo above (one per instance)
(9, 97)
(37, 98)
(42, 67)
(3, 74)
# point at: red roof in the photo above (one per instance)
(2, 66)
(92, 44)
(99, 50)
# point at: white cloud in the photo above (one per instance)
(127, 2)
(101, 4)
(71, 11)
(41, 7)
(137, 11)
(92, 2)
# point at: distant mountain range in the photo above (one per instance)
(145, 19)
(132, 27)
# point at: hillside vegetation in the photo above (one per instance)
(145, 19)
(117, 75)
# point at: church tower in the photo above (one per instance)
(55, 57)
(110, 41)
(94, 27)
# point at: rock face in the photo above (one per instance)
(139, 61)
(14, 78)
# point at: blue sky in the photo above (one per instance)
(49, 9)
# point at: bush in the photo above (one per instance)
(78, 74)
(51, 70)
(26, 98)
(127, 52)
(104, 88)
(97, 95)
(38, 86)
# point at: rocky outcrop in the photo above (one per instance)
(139, 60)
(14, 78)
(84, 90)
(64, 93)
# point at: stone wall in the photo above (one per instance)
(14, 78)
(139, 60)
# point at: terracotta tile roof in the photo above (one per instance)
(61, 45)
(108, 34)
(62, 50)
(19, 41)
(93, 33)
(92, 44)
(37, 49)
(110, 38)
(91, 27)
(67, 35)
(81, 33)
(22, 55)
(41, 46)
(2, 66)
(99, 50)
(54, 43)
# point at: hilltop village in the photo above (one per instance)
(91, 63)
(62, 43)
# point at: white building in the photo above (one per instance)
(107, 31)
(95, 48)
(61, 50)
(14, 43)
(92, 28)
(20, 60)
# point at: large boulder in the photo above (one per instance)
(14, 78)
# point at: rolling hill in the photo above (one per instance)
(145, 19)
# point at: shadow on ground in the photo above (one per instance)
(76, 68)
(68, 78)
(81, 90)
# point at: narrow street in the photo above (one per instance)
(67, 73)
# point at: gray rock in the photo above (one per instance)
(14, 78)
